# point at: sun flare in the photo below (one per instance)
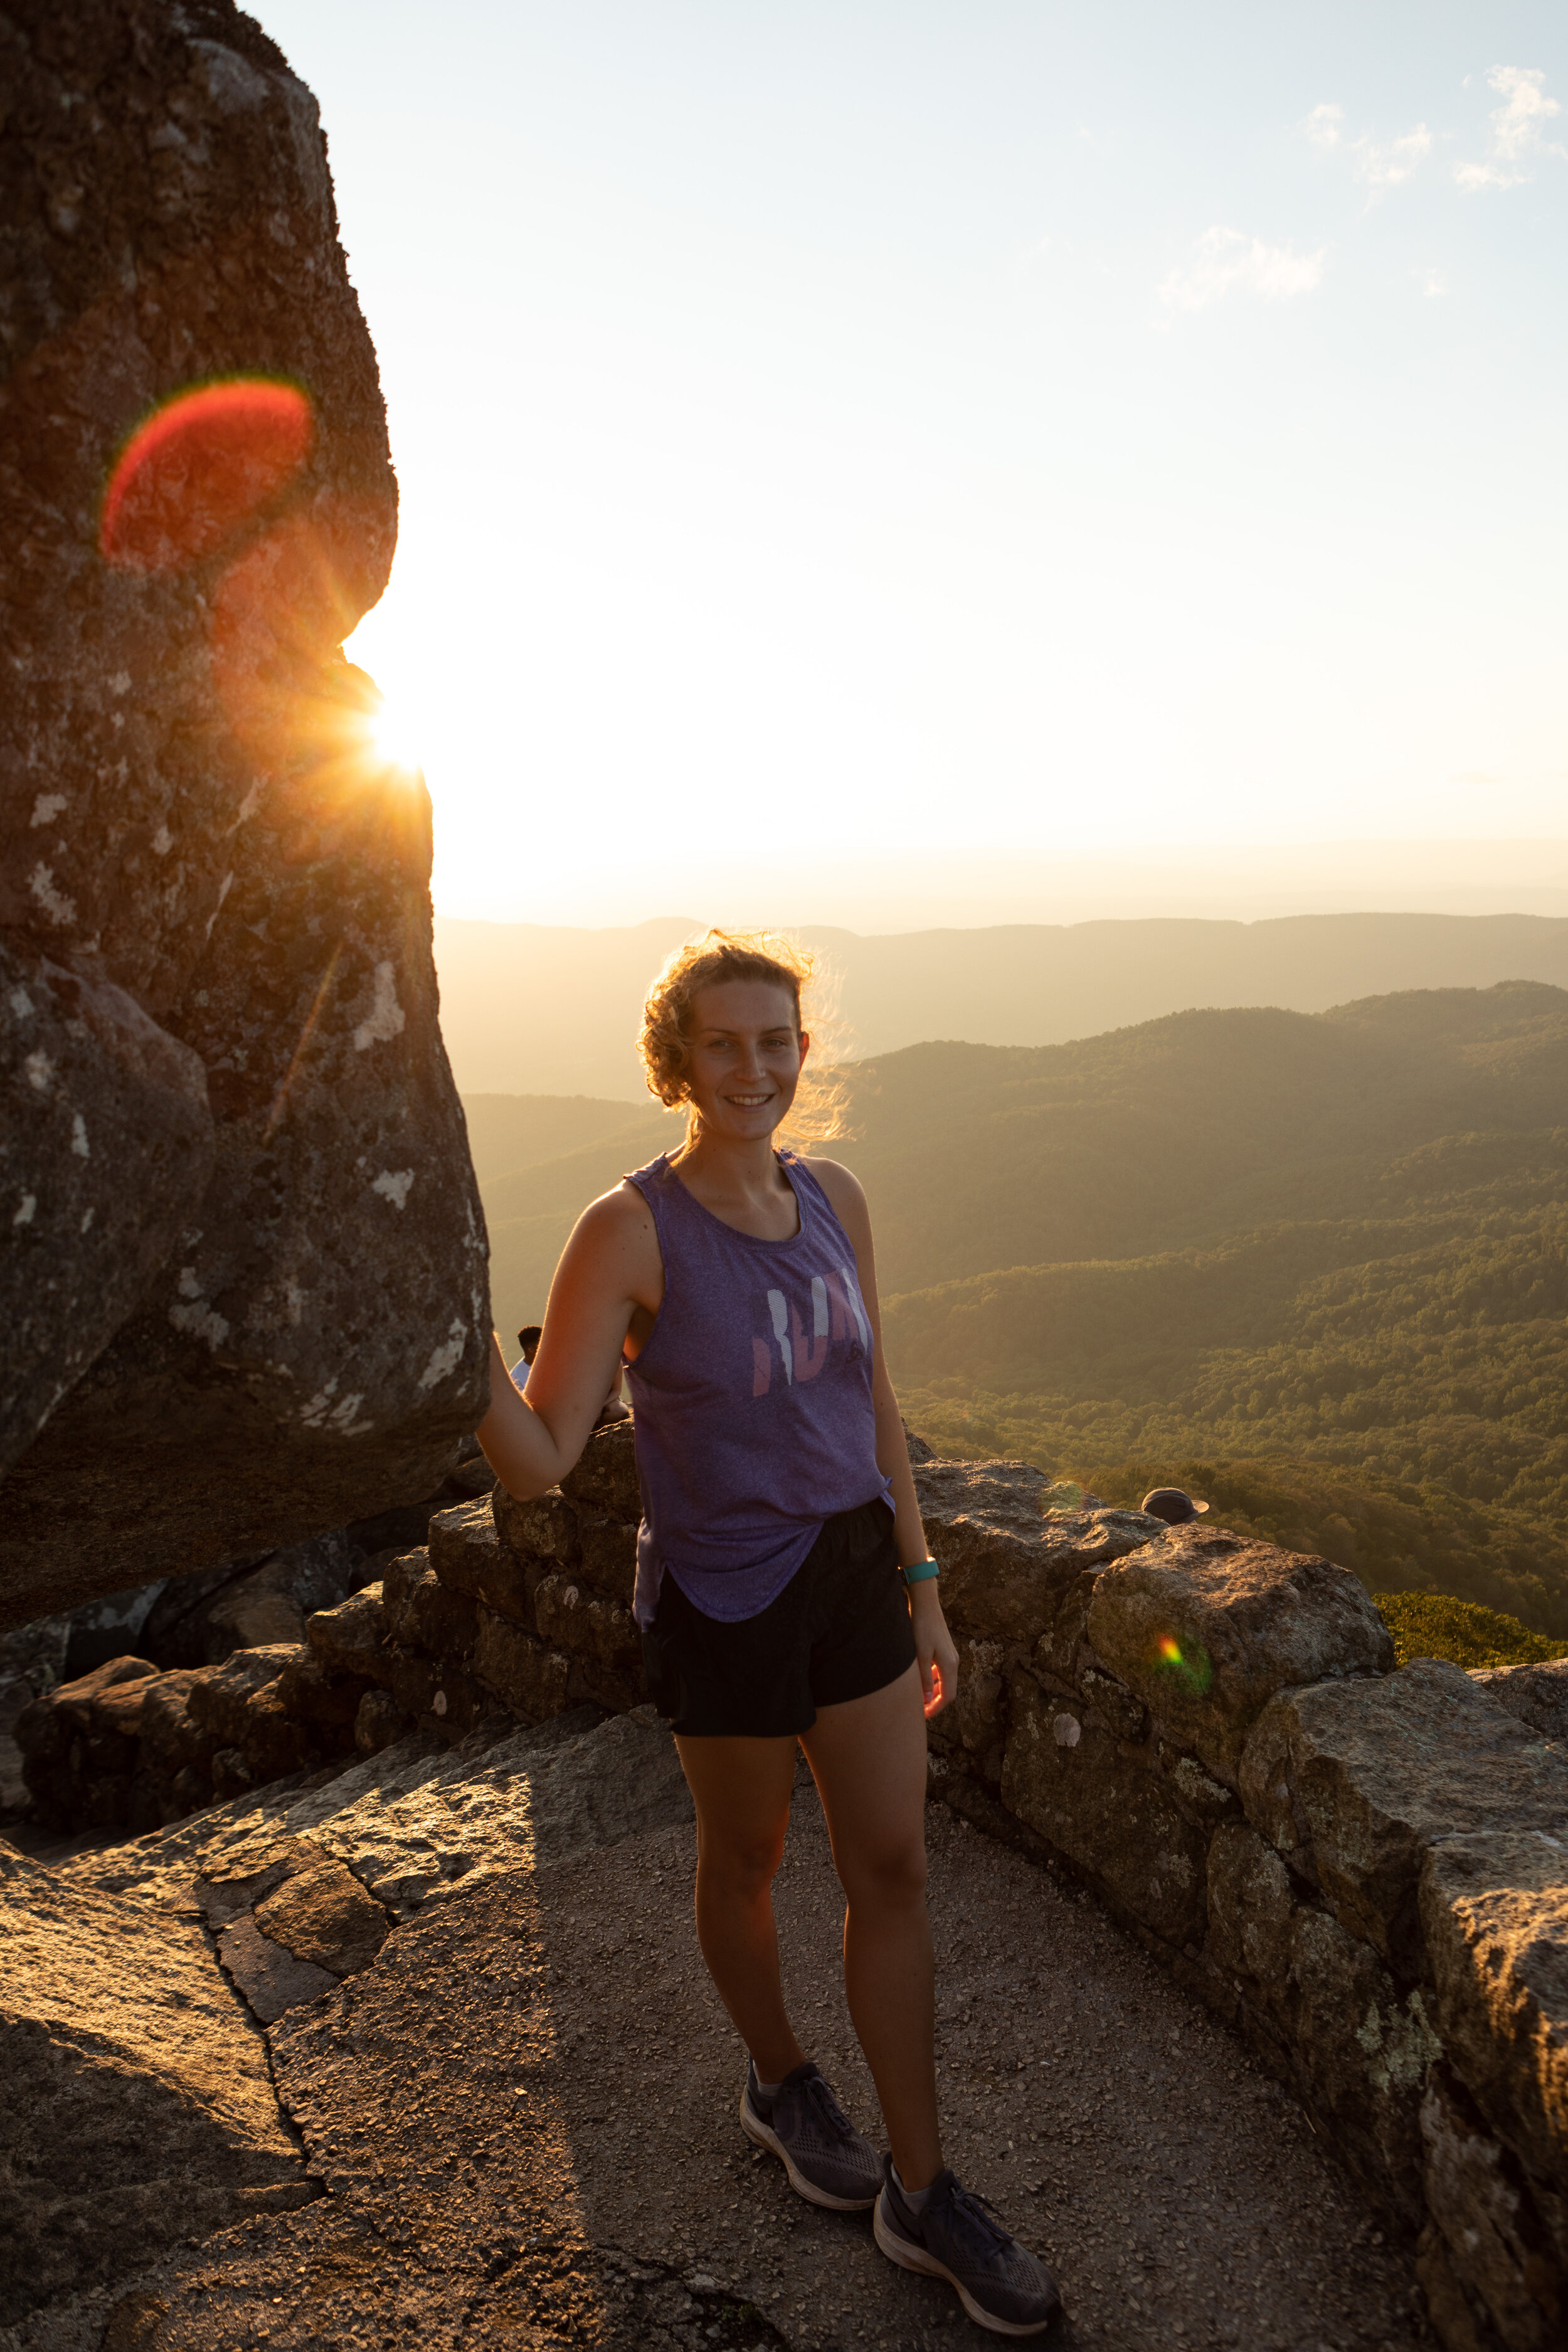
(393, 736)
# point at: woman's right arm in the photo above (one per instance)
(609, 1270)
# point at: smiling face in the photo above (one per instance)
(744, 1057)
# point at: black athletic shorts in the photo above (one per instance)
(839, 1629)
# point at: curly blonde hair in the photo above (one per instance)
(770, 956)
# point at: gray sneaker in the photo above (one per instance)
(825, 2157)
(956, 2236)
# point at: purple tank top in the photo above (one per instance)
(752, 1396)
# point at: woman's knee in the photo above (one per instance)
(889, 1877)
(740, 1865)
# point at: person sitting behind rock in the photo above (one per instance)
(1173, 1504)
(528, 1340)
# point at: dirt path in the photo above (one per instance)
(522, 2117)
(1178, 2194)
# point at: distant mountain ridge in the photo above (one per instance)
(527, 1009)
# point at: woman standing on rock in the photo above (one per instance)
(778, 1509)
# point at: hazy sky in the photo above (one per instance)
(984, 425)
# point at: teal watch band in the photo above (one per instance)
(920, 1570)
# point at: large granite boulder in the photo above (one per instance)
(244, 1274)
(106, 1149)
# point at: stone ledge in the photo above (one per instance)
(1206, 1628)
(1353, 1782)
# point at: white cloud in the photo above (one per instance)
(1517, 126)
(1225, 262)
(1381, 164)
(1385, 167)
(1432, 282)
(1324, 126)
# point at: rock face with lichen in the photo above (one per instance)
(243, 1283)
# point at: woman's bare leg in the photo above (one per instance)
(742, 1789)
(868, 1756)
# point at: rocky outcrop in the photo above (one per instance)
(138, 2112)
(243, 1266)
(1363, 1871)
(136, 2107)
(522, 2111)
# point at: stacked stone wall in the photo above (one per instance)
(1362, 1871)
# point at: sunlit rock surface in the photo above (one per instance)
(242, 1284)
(136, 2108)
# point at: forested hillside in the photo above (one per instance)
(1196, 1130)
(1355, 1298)
(1322, 1257)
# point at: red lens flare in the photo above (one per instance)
(204, 464)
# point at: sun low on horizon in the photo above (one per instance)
(395, 736)
(827, 433)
